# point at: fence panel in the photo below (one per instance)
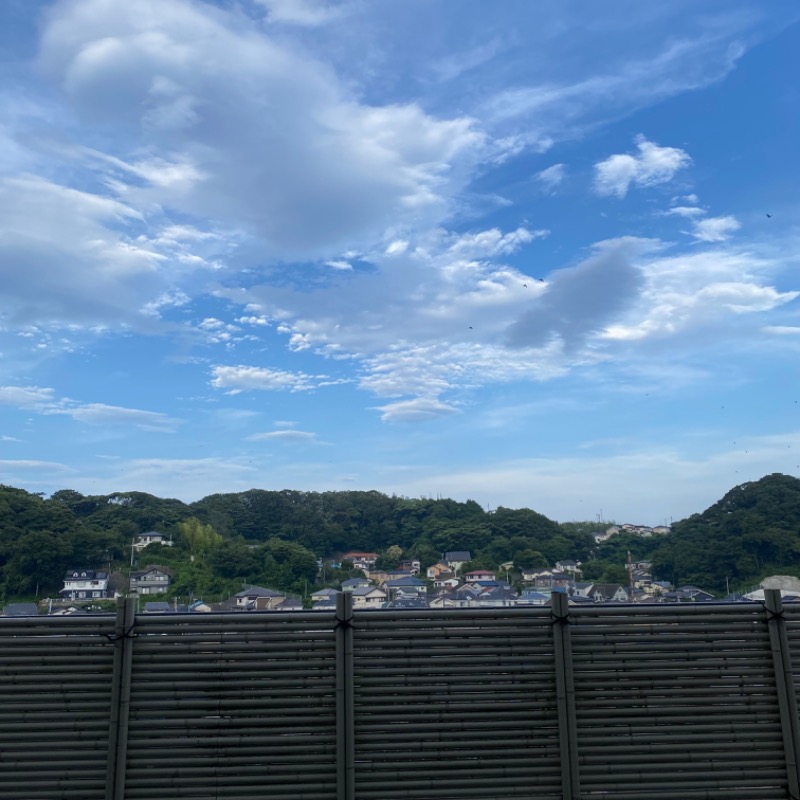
(683, 702)
(56, 677)
(233, 706)
(455, 704)
(677, 703)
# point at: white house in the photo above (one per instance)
(85, 584)
(151, 537)
(360, 560)
(480, 575)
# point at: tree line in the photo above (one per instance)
(275, 538)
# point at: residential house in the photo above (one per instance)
(530, 597)
(569, 566)
(151, 537)
(157, 607)
(660, 530)
(690, 594)
(608, 592)
(408, 603)
(400, 572)
(85, 584)
(455, 559)
(258, 598)
(553, 580)
(365, 561)
(369, 597)
(355, 583)
(437, 569)
(446, 581)
(480, 575)
(443, 600)
(153, 579)
(530, 574)
(407, 586)
(501, 595)
(581, 588)
(411, 565)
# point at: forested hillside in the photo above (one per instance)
(753, 531)
(275, 537)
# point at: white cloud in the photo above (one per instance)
(688, 212)
(284, 436)
(652, 166)
(699, 291)
(783, 330)
(552, 177)
(5, 438)
(244, 378)
(333, 173)
(491, 243)
(43, 401)
(715, 229)
(416, 410)
(11, 465)
(102, 414)
(26, 396)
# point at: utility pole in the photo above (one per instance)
(630, 577)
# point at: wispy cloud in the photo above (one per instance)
(416, 410)
(284, 436)
(44, 401)
(552, 177)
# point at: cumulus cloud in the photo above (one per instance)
(416, 410)
(703, 290)
(244, 378)
(715, 229)
(491, 243)
(652, 165)
(264, 139)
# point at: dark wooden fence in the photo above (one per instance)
(614, 702)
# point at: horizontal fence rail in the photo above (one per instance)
(694, 701)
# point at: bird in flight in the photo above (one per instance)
(525, 285)
(769, 216)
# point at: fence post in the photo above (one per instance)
(787, 699)
(565, 694)
(120, 698)
(345, 701)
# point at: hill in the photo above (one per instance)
(752, 532)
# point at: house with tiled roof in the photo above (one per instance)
(455, 559)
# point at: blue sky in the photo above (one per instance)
(515, 252)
